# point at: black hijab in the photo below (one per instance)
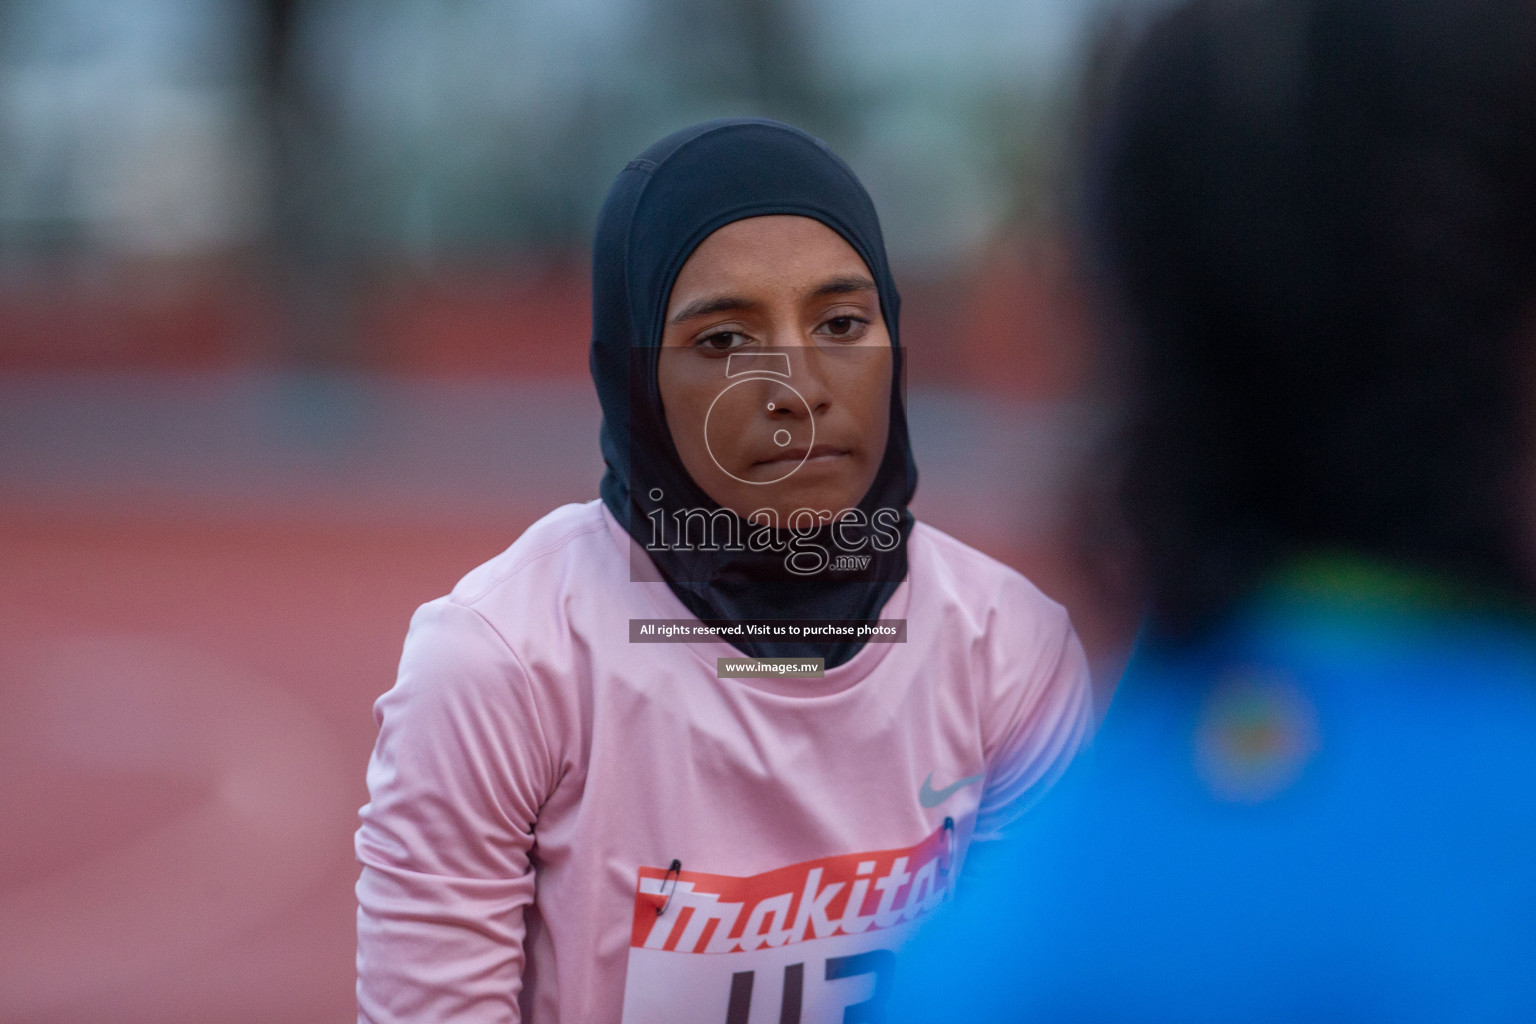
(662, 206)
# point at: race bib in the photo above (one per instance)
(811, 943)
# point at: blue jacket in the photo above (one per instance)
(1326, 811)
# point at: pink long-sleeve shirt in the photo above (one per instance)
(567, 827)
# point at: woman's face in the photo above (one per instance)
(775, 369)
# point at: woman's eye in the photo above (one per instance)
(722, 341)
(845, 326)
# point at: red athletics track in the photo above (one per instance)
(187, 723)
(206, 575)
(186, 729)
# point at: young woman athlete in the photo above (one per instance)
(568, 823)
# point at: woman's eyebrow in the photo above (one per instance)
(711, 306)
(730, 303)
(844, 285)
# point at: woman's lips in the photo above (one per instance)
(800, 453)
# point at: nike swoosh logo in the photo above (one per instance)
(930, 797)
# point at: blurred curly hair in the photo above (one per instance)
(1317, 220)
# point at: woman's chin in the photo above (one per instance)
(784, 500)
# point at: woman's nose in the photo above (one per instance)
(806, 376)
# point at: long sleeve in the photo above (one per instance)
(1042, 696)
(459, 772)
